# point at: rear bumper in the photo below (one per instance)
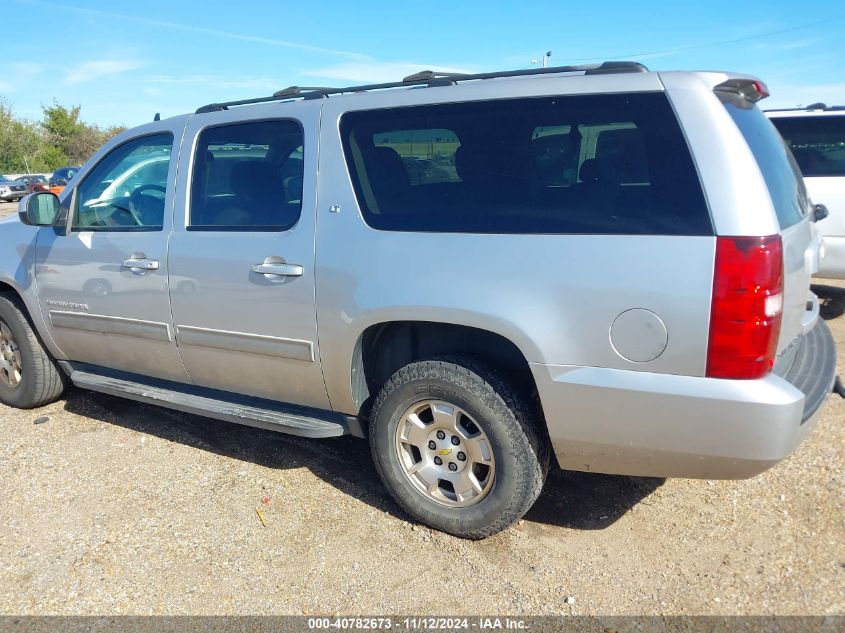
(662, 425)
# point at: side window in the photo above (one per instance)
(247, 177)
(817, 142)
(428, 156)
(600, 164)
(556, 151)
(127, 188)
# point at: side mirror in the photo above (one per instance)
(820, 212)
(39, 209)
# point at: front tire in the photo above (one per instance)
(458, 447)
(29, 378)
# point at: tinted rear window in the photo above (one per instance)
(598, 164)
(818, 143)
(776, 163)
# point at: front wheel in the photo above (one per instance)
(29, 378)
(458, 447)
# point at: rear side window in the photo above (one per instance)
(428, 155)
(776, 163)
(817, 142)
(247, 177)
(595, 164)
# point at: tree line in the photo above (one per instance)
(60, 138)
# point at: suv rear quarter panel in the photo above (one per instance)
(733, 185)
(554, 296)
(739, 200)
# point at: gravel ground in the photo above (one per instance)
(110, 507)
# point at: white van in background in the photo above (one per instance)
(816, 135)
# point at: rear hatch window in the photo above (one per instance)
(776, 163)
(817, 142)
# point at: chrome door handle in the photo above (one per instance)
(140, 264)
(278, 270)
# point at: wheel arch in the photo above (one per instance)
(33, 313)
(383, 348)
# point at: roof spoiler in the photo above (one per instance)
(752, 90)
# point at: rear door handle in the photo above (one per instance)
(136, 265)
(278, 270)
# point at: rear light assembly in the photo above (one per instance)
(745, 315)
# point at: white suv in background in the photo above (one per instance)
(816, 135)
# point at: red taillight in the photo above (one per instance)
(747, 306)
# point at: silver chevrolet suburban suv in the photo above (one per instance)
(477, 272)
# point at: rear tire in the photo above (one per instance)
(493, 456)
(29, 377)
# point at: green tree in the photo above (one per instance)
(60, 138)
(64, 129)
(20, 142)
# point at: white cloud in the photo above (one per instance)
(791, 45)
(165, 24)
(217, 81)
(92, 70)
(26, 68)
(373, 71)
(19, 73)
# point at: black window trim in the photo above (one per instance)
(119, 229)
(206, 228)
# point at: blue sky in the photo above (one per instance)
(124, 61)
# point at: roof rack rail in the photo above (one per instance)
(296, 91)
(430, 75)
(432, 79)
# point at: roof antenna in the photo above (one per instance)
(157, 117)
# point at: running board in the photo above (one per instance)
(220, 405)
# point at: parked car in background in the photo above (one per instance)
(64, 173)
(31, 181)
(61, 177)
(11, 190)
(816, 135)
(36, 186)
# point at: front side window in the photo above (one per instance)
(247, 177)
(817, 142)
(127, 189)
(592, 164)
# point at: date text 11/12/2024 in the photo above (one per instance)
(418, 623)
